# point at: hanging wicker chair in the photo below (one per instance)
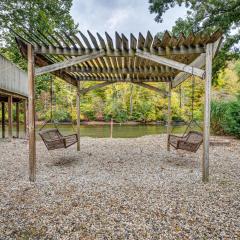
(189, 142)
(53, 139)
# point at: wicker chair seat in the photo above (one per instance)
(53, 139)
(190, 142)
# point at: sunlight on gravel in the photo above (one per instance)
(119, 189)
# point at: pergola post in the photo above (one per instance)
(207, 105)
(17, 119)
(78, 115)
(10, 117)
(169, 121)
(31, 114)
(3, 120)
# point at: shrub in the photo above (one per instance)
(218, 110)
(225, 117)
(232, 119)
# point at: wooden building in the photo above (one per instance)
(74, 57)
(13, 91)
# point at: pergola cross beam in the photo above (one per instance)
(68, 63)
(171, 63)
(199, 62)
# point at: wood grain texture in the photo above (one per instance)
(31, 115)
(207, 109)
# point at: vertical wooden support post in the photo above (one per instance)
(207, 106)
(31, 115)
(78, 115)
(25, 118)
(169, 121)
(111, 133)
(17, 119)
(3, 119)
(10, 117)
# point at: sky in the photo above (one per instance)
(123, 16)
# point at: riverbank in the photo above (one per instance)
(119, 189)
(95, 123)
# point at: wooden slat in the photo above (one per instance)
(113, 62)
(173, 42)
(127, 69)
(148, 42)
(108, 62)
(181, 39)
(130, 79)
(141, 41)
(109, 42)
(102, 42)
(87, 43)
(70, 40)
(52, 36)
(133, 42)
(214, 37)
(93, 39)
(75, 37)
(48, 39)
(118, 41)
(156, 43)
(189, 40)
(125, 42)
(64, 43)
(166, 39)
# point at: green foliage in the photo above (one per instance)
(232, 118)
(115, 100)
(207, 15)
(218, 110)
(225, 117)
(34, 17)
(237, 70)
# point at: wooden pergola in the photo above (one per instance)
(75, 58)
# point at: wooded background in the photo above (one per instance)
(127, 102)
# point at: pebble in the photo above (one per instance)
(119, 189)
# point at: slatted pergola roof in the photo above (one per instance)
(78, 57)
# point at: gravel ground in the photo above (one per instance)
(119, 189)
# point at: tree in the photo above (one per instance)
(207, 15)
(35, 15)
(19, 16)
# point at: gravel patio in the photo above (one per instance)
(119, 189)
